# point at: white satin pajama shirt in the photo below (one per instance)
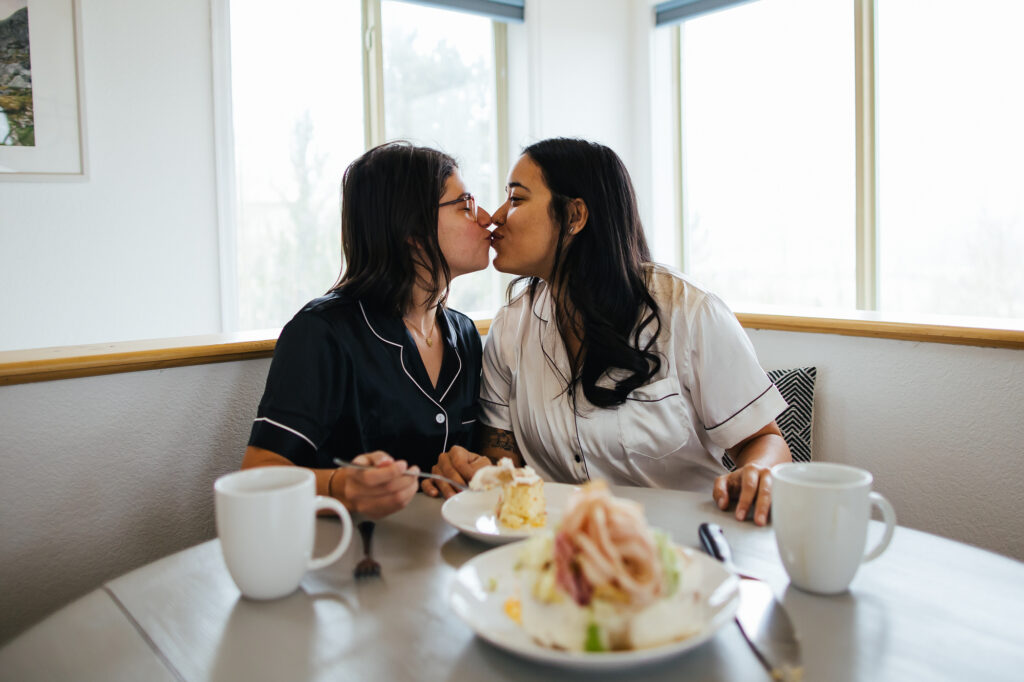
(709, 394)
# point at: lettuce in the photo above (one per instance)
(593, 641)
(669, 561)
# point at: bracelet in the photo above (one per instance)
(330, 482)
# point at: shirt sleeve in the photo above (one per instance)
(731, 392)
(304, 392)
(496, 384)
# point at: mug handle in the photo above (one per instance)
(329, 503)
(889, 516)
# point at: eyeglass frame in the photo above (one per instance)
(466, 197)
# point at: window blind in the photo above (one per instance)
(675, 11)
(499, 10)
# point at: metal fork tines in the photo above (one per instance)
(367, 566)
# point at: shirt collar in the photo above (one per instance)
(392, 329)
(388, 327)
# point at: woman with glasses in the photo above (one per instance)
(607, 365)
(378, 371)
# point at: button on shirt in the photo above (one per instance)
(709, 394)
(347, 379)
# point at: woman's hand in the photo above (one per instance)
(382, 491)
(750, 485)
(458, 464)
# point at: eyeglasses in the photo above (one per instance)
(467, 199)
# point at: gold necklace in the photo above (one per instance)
(428, 337)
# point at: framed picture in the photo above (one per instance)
(42, 132)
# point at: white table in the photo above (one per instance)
(928, 609)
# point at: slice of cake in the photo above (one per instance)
(521, 503)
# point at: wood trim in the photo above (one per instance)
(1000, 335)
(68, 362)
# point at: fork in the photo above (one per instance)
(422, 474)
(367, 566)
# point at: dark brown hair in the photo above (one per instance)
(599, 274)
(389, 198)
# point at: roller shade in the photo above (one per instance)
(499, 10)
(675, 11)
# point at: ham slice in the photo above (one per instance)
(605, 541)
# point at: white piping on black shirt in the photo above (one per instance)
(401, 358)
(286, 428)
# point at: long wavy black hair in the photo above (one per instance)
(389, 198)
(599, 275)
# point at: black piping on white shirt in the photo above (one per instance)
(730, 417)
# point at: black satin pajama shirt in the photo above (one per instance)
(347, 379)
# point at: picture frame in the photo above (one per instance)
(57, 149)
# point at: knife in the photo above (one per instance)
(762, 620)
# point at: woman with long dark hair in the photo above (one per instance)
(379, 371)
(607, 365)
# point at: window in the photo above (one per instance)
(440, 89)
(767, 135)
(312, 89)
(297, 101)
(951, 157)
(852, 153)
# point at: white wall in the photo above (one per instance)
(940, 426)
(581, 56)
(130, 251)
(103, 474)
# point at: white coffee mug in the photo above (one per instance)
(820, 514)
(266, 522)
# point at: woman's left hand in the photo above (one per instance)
(458, 464)
(751, 487)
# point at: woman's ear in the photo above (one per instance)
(578, 215)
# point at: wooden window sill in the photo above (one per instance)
(964, 331)
(66, 362)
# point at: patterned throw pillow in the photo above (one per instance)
(797, 387)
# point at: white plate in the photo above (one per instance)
(483, 610)
(472, 512)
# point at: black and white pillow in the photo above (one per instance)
(797, 387)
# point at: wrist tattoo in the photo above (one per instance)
(502, 440)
